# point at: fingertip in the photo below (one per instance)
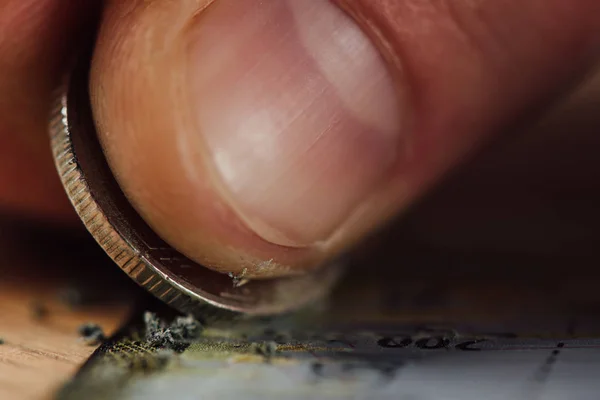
(242, 138)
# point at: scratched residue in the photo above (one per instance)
(239, 280)
(414, 341)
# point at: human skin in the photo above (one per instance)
(287, 131)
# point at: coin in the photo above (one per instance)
(134, 246)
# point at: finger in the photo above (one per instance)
(36, 38)
(535, 193)
(285, 131)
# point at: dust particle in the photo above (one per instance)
(92, 334)
(38, 310)
(266, 349)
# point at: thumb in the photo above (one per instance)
(285, 131)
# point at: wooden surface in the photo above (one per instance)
(41, 352)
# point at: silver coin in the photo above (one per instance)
(134, 246)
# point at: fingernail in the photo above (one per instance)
(297, 112)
